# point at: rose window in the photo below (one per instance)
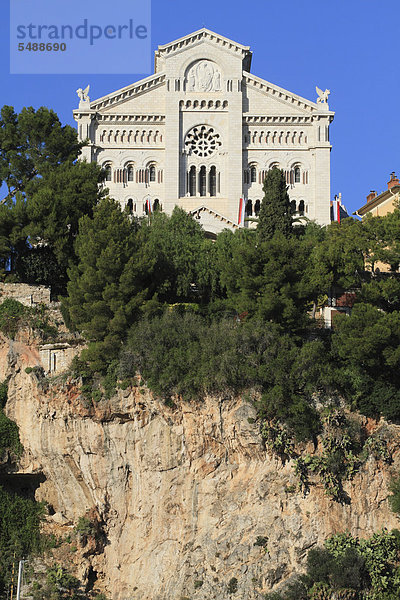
(202, 141)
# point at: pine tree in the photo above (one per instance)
(97, 299)
(275, 212)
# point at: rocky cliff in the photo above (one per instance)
(182, 492)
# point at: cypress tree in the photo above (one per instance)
(275, 212)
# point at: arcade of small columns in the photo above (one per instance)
(204, 181)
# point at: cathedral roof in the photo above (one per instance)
(193, 39)
(291, 101)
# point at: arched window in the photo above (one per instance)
(249, 208)
(107, 169)
(213, 181)
(152, 173)
(297, 174)
(246, 176)
(129, 205)
(130, 172)
(301, 207)
(192, 181)
(203, 181)
(253, 174)
(156, 205)
(293, 206)
(257, 207)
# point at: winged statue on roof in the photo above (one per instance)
(322, 96)
(83, 94)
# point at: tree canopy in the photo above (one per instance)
(48, 192)
(275, 212)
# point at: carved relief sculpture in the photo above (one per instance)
(204, 76)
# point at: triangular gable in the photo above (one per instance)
(193, 39)
(219, 221)
(280, 94)
(138, 88)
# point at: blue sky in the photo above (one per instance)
(351, 47)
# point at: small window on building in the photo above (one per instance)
(213, 181)
(156, 205)
(203, 181)
(152, 173)
(130, 172)
(297, 174)
(192, 181)
(253, 174)
(257, 207)
(130, 205)
(301, 207)
(246, 177)
(249, 208)
(107, 169)
(293, 206)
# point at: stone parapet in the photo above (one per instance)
(29, 295)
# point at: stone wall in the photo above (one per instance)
(29, 295)
(57, 358)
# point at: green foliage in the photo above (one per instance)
(11, 313)
(48, 192)
(233, 586)
(32, 143)
(19, 531)
(198, 583)
(295, 590)
(275, 213)
(14, 315)
(85, 528)
(353, 568)
(3, 393)
(188, 355)
(262, 541)
(103, 296)
(278, 439)
(368, 343)
(394, 498)
(59, 585)
(267, 278)
(9, 435)
(39, 266)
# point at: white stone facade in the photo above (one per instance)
(202, 132)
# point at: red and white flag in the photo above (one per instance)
(149, 206)
(336, 209)
(241, 212)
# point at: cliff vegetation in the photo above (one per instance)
(163, 308)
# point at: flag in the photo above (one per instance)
(336, 209)
(149, 206)
(241, 212)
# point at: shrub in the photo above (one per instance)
(9, 435)
(19, 531)
(11, 313)
(233, 586)
(14, 315)
(394, 499)
(85, 529)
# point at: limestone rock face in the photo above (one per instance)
(183, 492)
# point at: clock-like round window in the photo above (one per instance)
(202, 141)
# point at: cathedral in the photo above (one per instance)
(202, 132)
